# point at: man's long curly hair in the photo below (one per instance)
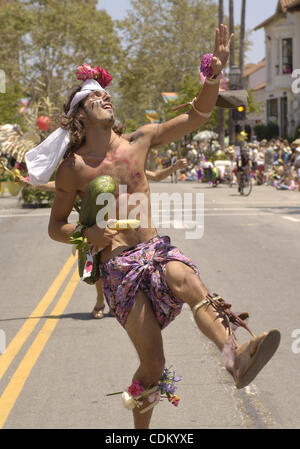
(76, 127)
(73, 125)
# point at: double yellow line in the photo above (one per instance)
(14, 388)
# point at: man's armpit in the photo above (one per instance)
(135, 136)
(155, 140)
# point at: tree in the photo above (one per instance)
(231, 129)
(42, 42)
(15, 23)
(242, 37)
(221, 112)
(67, 34)
(164, 40)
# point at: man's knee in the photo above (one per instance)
(179, 276)
(154, 368)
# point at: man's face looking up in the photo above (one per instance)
(97, 108)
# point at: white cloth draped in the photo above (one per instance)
(42, 160)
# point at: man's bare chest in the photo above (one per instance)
(124, 167)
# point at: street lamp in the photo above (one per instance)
(235, 81)
(235, 77)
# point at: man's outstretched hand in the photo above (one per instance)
(221, 51)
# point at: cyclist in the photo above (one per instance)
(243, 164)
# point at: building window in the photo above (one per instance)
(287, 56)
(272, 109)
(283, 116)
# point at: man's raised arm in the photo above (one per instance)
(203, 104)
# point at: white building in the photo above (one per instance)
(282, 42)
(254, 78)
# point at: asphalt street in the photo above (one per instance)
(59, 363)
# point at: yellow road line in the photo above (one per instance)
(15, 386)
(20, 338)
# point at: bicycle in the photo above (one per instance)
(245, 187)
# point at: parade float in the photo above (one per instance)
(14, 144)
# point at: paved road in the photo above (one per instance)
(59, 363)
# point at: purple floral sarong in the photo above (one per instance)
(143, 267)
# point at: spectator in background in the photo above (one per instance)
(297, 166)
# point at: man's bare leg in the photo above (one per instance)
(100, 303)
(145, 333)
(98, 310)
(187, 286)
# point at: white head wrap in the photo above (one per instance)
(43, 159)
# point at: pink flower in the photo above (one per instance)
(104, 78)
(174, 400)
(153, 397)
(85, 72)
(89, 267)
(135, 388)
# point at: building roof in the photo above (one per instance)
(283, 6)
(259, 87)
(252, 68)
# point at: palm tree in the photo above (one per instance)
(242, 37)
(231, 30)
(221, 113)
(231, 129)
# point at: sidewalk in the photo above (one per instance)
(7, 201)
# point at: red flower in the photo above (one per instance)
(104, 78)
(174, 400)
(135, 388)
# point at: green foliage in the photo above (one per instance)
(37, 198)
(253, 106)
(15, 23)
(43, 41)
(188, 89)
(269, 131)
(297, 132)
(9, 102)
(164, 41)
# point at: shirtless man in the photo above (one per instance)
(146, 298)
(156, 176)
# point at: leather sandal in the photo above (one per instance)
(247, 365)
(244, 367)
(97, 312)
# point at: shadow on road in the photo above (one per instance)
(74, 316)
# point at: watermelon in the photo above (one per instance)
(87, 217)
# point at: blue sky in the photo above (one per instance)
(257, 11)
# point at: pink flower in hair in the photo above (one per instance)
(104, 78)
(85, 72)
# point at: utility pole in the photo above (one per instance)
(231, 128)
(221, 112)
(242, 41)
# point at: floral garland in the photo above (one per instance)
(85, 71)
(132, 397)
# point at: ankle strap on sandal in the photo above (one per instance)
(199, 305)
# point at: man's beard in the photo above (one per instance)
(107, 121)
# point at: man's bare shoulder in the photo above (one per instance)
(65, 178)
(142, 133)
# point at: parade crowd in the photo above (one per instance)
(274, 163)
